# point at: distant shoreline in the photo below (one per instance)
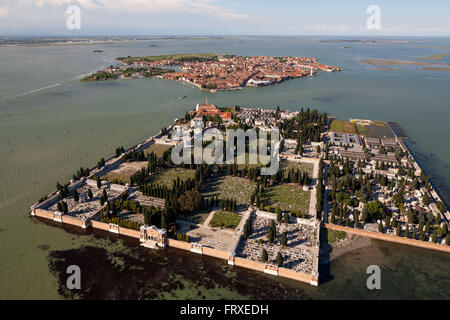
(390, 64)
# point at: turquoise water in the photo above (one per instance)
(51, 124)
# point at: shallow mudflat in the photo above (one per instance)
(140, 273)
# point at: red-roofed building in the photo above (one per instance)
(211, 110)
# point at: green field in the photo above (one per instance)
(175, 57)
(248, 164)
(343, 126)
(287, 197)
(333, 235)
(376, 128)
(197, 217)
(166, 177)
(230, 187)
(123, 173)
(303, 167)
(158, 149)
(225, 219)
(102, 75)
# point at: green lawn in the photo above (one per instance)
(196, 217)
(334, 235)
(225, 219)
(123, 173)
(303, 167)
(166, 177)
(116, 177)
(158, 149)
(230, 187)
(248, 164)
(343, 126)
(287, 197)
(376, 128)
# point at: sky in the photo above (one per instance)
(224, 17)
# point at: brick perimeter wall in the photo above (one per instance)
(72, 221)
(249, 264)
(240, 262)
(216, 253)
(291, 274)
(179, 244)
(100, 225)
(385, 237)
(129, 232)
(44, 214)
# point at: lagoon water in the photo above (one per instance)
(51, 124)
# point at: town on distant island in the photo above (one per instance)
(213, 71)
(336, 179)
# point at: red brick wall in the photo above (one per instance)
(129, 232)
(44, 214)
(215, 253)
(72, 221)
(291, 274)
(100, 225)
(179, 244)
(249, 264)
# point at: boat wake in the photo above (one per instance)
(32, 91)
(48, 87)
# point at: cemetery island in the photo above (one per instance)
(214, 72)
(336, 178)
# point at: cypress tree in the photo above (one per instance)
(66, 191)
(65, 207)
(279, 259)
(286, 218)
(163, 220)
(76, 197)
(398, 229)
(434, 236)
(284, 239)
(279, 216)
(264, 256)
(356, 225)
(438, 219)
(247, 229)
(270, 235)
(388, 222)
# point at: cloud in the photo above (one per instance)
(3, 12)
(327, 27)
(201, 7)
